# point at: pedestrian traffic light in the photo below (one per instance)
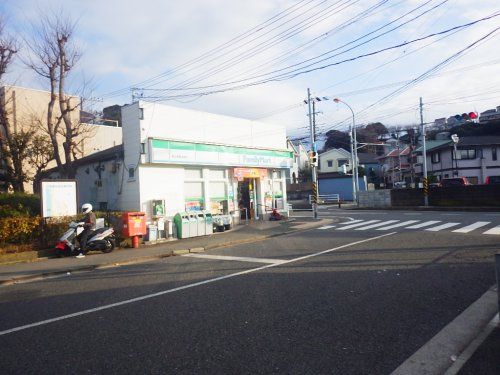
(313, 158)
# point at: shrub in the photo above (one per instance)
(19, 204)
(43, 233)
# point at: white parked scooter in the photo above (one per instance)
(101, 239)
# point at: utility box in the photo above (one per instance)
(181, 221)
(134, 224)
(209, 222)
(200, 218)
(193, 224)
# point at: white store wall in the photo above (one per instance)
(160, 181)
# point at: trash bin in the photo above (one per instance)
(200, 217)
(181, 221)
(152, 232)
(209, 222)
(193, 224)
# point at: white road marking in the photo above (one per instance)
(377, 225)
(412, 213)
(495, 230)
(424, 224)
(358, 224)
(470, 228)
(442, 226)
(326, 227)
(402, 224)
(188, 286)
(239, 259)
(351, 222)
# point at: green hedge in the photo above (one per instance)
(19, 204)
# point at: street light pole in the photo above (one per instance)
(354, 151)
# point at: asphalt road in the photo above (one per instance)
(320, 301)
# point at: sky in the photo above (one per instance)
(257, 59)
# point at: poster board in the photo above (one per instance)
(59, 198)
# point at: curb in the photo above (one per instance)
(47, 275)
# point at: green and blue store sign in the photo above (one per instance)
(174, 152)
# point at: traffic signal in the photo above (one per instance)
(313, 158)
(466, 116)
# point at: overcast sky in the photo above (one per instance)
(225, 56)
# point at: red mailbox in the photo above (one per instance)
(134, 224)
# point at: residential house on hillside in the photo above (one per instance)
(333, 160)
(396, 165)
(477, 158)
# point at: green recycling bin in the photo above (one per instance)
(181, 221)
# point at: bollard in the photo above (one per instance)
(497, 268)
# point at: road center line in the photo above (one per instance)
(188, 286)
(239, 259)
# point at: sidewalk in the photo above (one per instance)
(251, 232)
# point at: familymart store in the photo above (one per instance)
(224, 179)
(189, 160)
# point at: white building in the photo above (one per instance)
(191, 160)
(333, 160)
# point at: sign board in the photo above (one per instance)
(174, 152)
(241, 173)
(158, 207)
(59, 198)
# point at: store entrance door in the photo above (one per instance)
(247, 199)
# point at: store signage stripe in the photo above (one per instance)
(470, 228)
(175, 145)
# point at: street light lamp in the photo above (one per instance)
(354, 152)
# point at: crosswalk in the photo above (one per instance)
(430, 225)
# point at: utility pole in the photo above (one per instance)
(424, 152)
(312, 125)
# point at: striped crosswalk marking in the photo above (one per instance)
(495, 230)
(403, 224)
(327, 227)
(358, 224)
(377, 225)
(442, 226)
(470, 228)
(424, 224)
(351, 222)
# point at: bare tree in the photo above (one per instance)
(12, 144)
(54, 57)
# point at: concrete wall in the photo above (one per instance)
(457, 196)
(375, 198)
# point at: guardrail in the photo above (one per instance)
(327, 198)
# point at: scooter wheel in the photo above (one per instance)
(60, 253)
(110, 245)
